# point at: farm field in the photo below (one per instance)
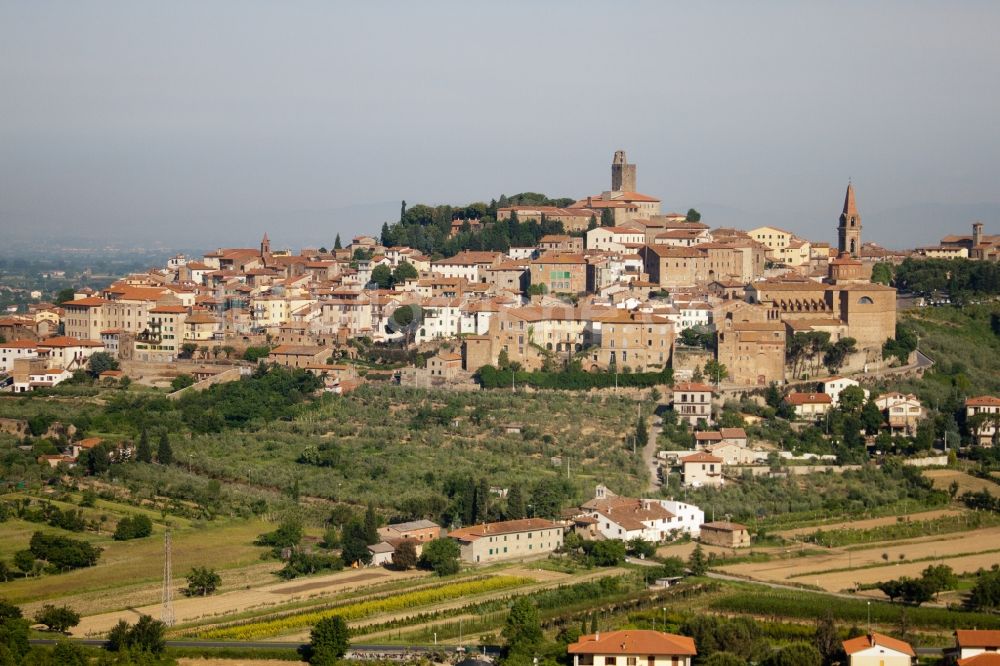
(262, 599)
(943, 478)
(127, 568)
(869, 523)
(963, 552)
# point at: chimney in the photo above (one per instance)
(590, 202)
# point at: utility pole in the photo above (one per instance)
(167, 613)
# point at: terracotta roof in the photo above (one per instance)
(984, 659)
(708, 436)
(733, 433)
(982, 638)
(474, 532)
(693, 386)
(634, 642)
(701, 457)
(168, 309)
(66, 341)
(983, 401)
(725, 526)
(875, 639)
(90, 302)
(808, 398)
(19, 344)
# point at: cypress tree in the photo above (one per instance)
(164, 453)
(371, 524)
(336, 243)
(144, 452)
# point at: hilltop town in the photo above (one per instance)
(602, 424)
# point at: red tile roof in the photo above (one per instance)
(809, 398)
(701, 457)
(984, 659)
(634, 642)
(875, 639)
(474, 532)
(692, 386)
(983, 401)
(982, 638)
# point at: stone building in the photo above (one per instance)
(849, 230)
(752, 348)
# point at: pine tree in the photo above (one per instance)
(164, 454)
(336, 243)
(144, 452)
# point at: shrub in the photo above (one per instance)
(134, 527)
(63, 553)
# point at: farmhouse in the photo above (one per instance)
(632, 647)
(983, 415)
(809, 405)
(726, 534)
(507, 540)
(878, 650)
(701, 469)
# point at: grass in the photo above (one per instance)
(126, 563)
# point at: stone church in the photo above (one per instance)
(845, 304)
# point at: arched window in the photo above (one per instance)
(853, 247)
(865, 300)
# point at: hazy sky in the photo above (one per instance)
(207, 122)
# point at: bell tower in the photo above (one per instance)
(622, 173)
(849, 230)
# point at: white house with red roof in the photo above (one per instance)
(632, 647)
(876, 649)
(702, 469)
(983, 412)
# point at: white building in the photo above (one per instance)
(9, 351)
(832, 386)
(615, 239)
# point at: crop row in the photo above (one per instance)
(781, 604)
(905, 529)
(359, 610)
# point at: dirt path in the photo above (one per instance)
(274, 594)
(871, 522)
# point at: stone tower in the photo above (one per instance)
(622, 174)
(849, 231)
(977, 234)
(265, 246)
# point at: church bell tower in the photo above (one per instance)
(849, 230)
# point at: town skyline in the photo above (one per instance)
(209, 130)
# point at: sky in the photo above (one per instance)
(202, 124)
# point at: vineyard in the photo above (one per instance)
(903, 529)
(267, 628)
(810, 606)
